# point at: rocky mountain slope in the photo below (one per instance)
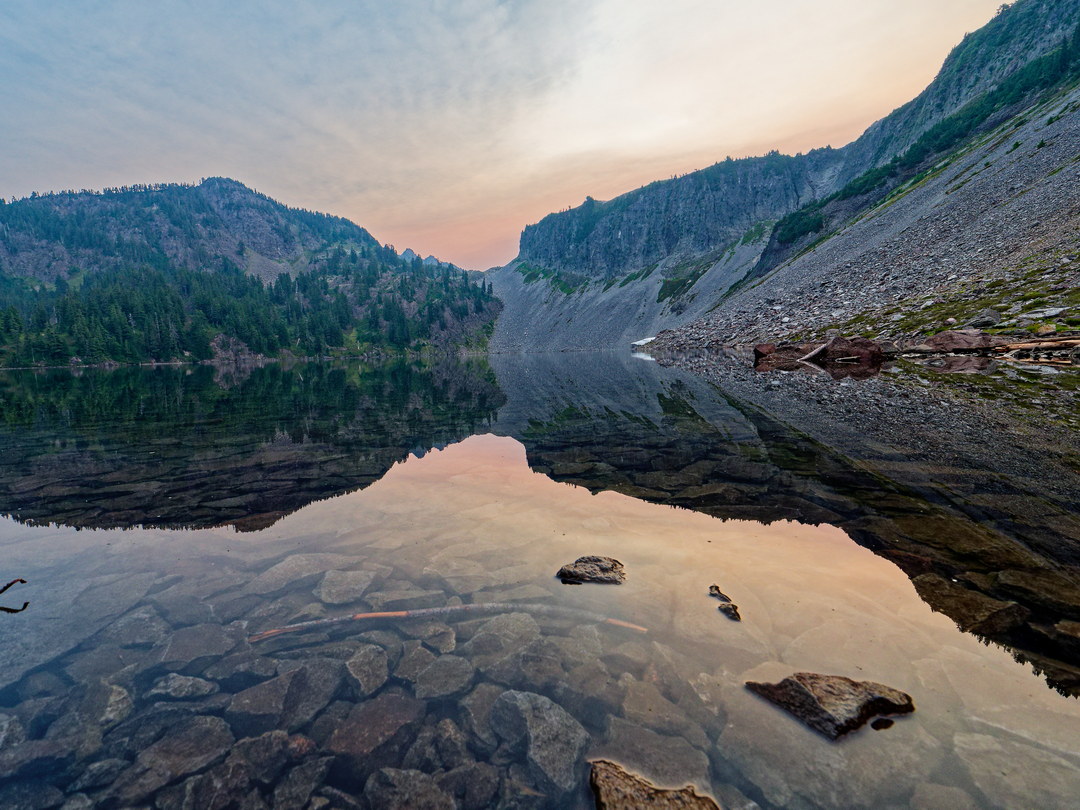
(989, 237)
(607, 273)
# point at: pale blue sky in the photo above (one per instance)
(446, 126)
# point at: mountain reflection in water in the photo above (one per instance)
(482, 521)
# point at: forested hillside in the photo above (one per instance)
(165, 272)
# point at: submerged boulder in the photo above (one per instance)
(605, 570)
(833, 705)
(617, 789)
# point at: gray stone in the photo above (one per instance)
(241, 671)
(393, 789)
(367, 670)
(265, 755)
(476, 715)
(500, 637)
(436, 636)
(406, 599)
(987, 317)
(833, 705)
(659, 758)
(99, 774)
(294, 570)
(294, 791)
(77, 801)
(552, 741)
(194, 745)
(374, 735)
(472, 786)
(446, 676)
(142, 627)
(117, 706)
(645, 706)
(439, 747)
(182, 609)
(415, 658)
(606, 570)
(343, 587)
(222, 786)
(289, 701)
(12, 732)
(29, 795)
(181, 687)
(192, 649)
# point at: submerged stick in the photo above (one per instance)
(449, 610)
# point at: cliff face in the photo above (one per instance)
(650, 236)
(688, 215)
(1022, 32)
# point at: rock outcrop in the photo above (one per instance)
(833, 705)
(606, 570)
(615, 788)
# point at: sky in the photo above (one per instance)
(446, 126)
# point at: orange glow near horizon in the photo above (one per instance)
(446, 128)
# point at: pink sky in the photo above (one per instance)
(448, 127)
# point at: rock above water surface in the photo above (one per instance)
(960, 340)
(833, 704)
(617, 789)
(605, 570)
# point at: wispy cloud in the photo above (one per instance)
(444, 124)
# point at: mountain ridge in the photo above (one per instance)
(175, 272)
(661, 236)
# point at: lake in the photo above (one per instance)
(166, 520)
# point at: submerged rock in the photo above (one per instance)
(617, 789)
(833, 704)
(191, 747)
(181, 687)
(396, 789)
(552, 741)
(376, 734)
(447, 676)
(605, 570)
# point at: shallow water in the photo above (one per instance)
(433, 487)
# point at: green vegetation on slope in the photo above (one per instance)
(141, 274)
(1052, 70)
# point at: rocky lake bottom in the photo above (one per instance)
(167, 520)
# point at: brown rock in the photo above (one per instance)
(605, 570)
(763, 350)
(960, 340)
(866, 350)
(833, 704)
(617, 789)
